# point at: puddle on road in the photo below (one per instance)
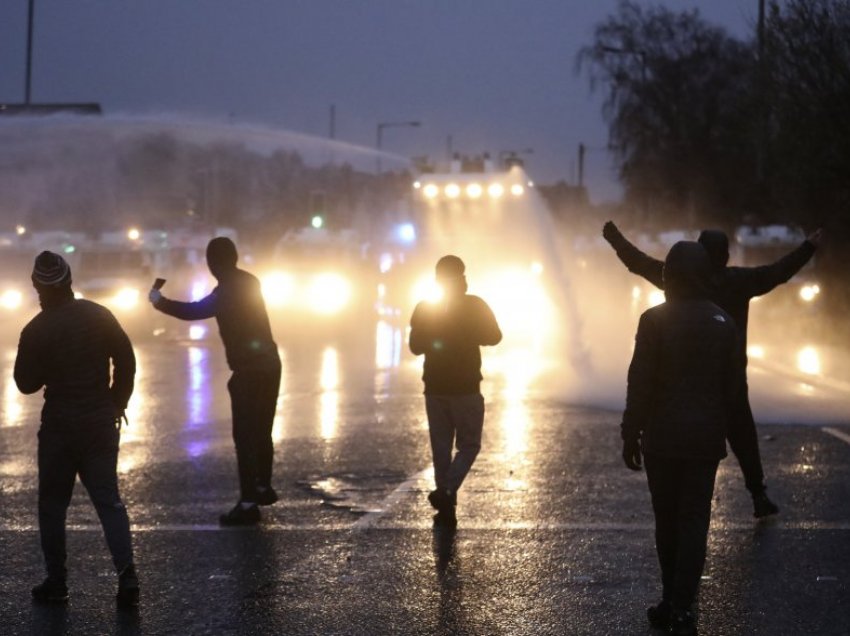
(355, 493)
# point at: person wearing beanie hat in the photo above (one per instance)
(732, 290)
(78, 353)
(449, 333)
(239, 309)
(681, 380)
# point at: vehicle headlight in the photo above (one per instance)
(809, 292)
(656, 297)
(512, 288)
(328, 293)
(278, 288)
(427, 289)
(495, 190)
(11, 299)
(126, 298)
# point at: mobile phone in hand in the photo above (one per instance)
(158, 283)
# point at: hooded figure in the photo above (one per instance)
(681, 380)
(732, 288)
(239, 309)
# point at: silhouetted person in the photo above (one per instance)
(731, 289)
(449, 333)
(682, 378)
(67, 349)
(237, 305)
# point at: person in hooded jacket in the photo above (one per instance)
(681, 381)
(67, 349)
(450, 333)
(239, 309)
(732, 289)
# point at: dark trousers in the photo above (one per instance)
(454, 420)
(253, 400)
(681, 492)
(88, 449)
(744, 442)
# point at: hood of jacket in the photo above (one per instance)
(687, 272)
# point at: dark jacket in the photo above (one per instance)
(450, 334)
(67, 349)
(733, 287)
(239, 309)
(682, 378)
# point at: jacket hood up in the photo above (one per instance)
(687, 272)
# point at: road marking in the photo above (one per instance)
(844, 437)
(463, 525)
(371, 518)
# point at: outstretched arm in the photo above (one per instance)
(760, 280)
(635, 261)
(204, 308)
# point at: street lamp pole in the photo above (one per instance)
(28, 79)
(379, 135)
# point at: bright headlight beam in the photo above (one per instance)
(474, 190)
(517, 190)
(278, 288)
(495, 190)
(430, 191)
(11, 299)
(126, 298)
(328, 293)
(809, 292)
(452, 191)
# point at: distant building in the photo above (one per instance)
(32, 110)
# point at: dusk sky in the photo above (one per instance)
(494, 75)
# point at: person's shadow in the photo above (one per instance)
(452, 619)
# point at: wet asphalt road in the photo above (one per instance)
(554, 537)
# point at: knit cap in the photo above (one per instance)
(51, 269)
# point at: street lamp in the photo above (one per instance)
(380, 133)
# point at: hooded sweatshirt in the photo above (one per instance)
(683, 372)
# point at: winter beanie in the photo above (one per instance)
(51, 270)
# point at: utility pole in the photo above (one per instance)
(28, 80)
(332, 131)
(581, 151)
(763, 113)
